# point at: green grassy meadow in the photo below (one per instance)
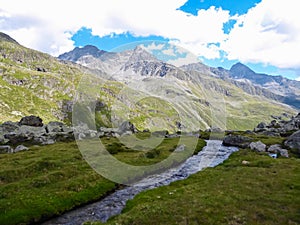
(48, 180)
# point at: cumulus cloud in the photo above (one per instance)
(269, 33)
(48, 25)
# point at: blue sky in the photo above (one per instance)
(263, 34)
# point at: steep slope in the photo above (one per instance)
(198, 96)
(33, 82)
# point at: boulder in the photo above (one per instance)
(5, 149)
(20, 148)
(245, 162)
(276, 149)
(237, 141)
(54, 126)
(294, 141)
(127, 126)
(261, 125)
(33, 121)
(284, 153)
(258, 146)
(180, 148)
(26, 134)
(3, 140)
(8, 126)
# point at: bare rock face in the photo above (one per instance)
(33, 121)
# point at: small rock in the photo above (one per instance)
(180, 148)
(245, 162)
(81, 136)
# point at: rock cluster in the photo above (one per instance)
(30, 130)
(279, 127)
(276, 128)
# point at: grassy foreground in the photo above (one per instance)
(265, 191)
(49, 180)
(46, 181)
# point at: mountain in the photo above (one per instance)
(276, 88)
(79, 52)
(190, 89)
(278, 84)
(287, 91)
(130, 85)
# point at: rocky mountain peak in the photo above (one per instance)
(5, 37)
(140, 54)
(242, 70)
(77, 53)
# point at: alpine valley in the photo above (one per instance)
(135, 85)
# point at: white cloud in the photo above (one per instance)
(153, 46)
(298, 79)
(269, 33)
(188, 59)
(52, 22)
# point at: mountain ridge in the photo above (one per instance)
(36, 83)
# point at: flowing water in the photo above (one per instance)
(211, 155)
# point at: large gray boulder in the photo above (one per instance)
(294, 141)
(258, 146)
(237, 141)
